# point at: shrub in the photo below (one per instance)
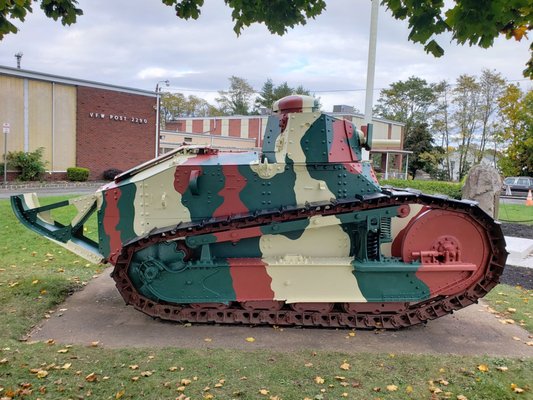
(450, 189)
(31, 164)
(77, 174)
(110, 174)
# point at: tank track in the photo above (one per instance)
(414, 314)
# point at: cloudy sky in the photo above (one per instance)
(137, 43)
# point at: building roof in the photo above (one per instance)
(22, 73)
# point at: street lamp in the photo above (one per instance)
(157, 106)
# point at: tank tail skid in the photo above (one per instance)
(71, 236)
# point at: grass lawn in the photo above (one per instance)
(516, 213)
(36, 275)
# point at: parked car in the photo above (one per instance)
(519, 185)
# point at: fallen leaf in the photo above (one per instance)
(250, 339)
(409, 389)
(35, 282)
(461, 397)
(119, 394)
(340, 378)
(483, 368)
(3, 361)
(185, 382)
(135, 366)
(146, 373)
(319, 380)
(92, 377)
(66, 366)
(516, 338)
(529, 343)
(264, 392)
(392, 388)
(208, 339)
(345, 366)
(502, 368)
(134, 378)
(172, 369)
(63, 351)
(95, 343)
(42, 374)
(351, 334)
(308, 365)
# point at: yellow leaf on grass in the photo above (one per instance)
(95, 343)
(503, 369)
(264, 392)
(483, 368)
(92, 377)
(3, 361)
(409, 389)
(185, 382)
(62, 351)
(250, 339)
(462, 397)
(340, 378)
(319, 380)
(208, 339)
(172, 369)
(135, 366)
(308, 364)
(119, 394)
(345, 366)
(134, 378)
(207, 396)
(35, 282)
(66, 366)
(42, 374)
(392, 388)
(146, 373)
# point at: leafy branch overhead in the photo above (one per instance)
(470, 22)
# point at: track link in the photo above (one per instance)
(417, 313)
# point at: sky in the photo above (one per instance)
(137, 43)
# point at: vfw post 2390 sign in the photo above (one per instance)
(118, 118)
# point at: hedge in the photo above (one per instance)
(77, 174)
(450, 189)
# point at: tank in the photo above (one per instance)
(300, 233)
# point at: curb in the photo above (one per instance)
(44, 185)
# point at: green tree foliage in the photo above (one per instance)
(411, 102)
(516, 129)
(176, 105)
(425, 155)
(236, 100)
(270, 93)
(470, 22)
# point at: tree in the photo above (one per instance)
(270, 93)
(516, 128)
(466, 116)
(420, 142)
(491, 86)
(442, 123)
(408, 102)
(176, 105)
(469, 21)
(236, 101)
(411, 102)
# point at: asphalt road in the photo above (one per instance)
(98, 313)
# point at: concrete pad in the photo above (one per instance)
(520, 251)
(98, 313)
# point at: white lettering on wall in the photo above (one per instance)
(119, 118)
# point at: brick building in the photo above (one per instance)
(77, 122)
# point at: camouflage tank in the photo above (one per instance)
(298, 234)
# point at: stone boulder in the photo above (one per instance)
(483, 184)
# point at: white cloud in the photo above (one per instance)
(139, 42)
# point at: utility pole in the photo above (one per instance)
(157, 106)
(18, 56)
(371, 67)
